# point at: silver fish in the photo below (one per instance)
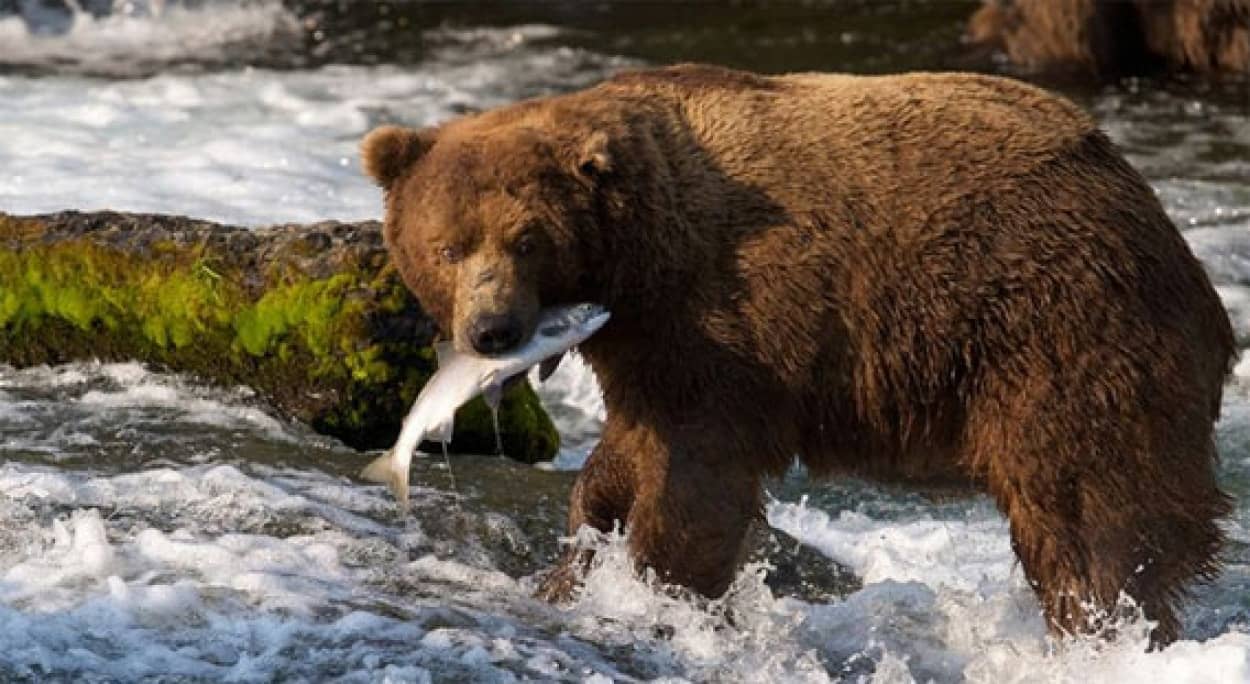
(461, 377)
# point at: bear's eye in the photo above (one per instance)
(524, 245)
(450, 254)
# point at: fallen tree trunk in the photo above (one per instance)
(311, 317)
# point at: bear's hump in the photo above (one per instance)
(976, 111)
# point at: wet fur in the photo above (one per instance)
(915, 278)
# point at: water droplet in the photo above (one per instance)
(494, 396)
(451, 476)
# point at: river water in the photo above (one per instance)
(155, 528)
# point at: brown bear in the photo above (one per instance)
(1114, 38)
(914, 278)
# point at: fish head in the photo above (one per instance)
(561, 328)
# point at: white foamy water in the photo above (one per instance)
(253, 146)
(144, 36)
(152, 526)
(105, 406)
(190, 561)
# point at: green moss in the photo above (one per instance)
(524, 427)
(309, 308)
(309, 345)
(89, 286)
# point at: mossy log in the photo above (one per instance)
(311, 317)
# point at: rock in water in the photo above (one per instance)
(312, 317)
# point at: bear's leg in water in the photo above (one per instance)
(692, 512)
(601, 499)
(687, 518)
(1100, 500)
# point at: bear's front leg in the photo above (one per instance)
(601, 498)
(691, 516)
(693, 504)
(686, 508)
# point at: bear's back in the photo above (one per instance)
(917, 140)
(941, 111)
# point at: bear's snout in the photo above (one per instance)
(494, 333)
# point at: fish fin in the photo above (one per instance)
(378, 470)
(443, 352)
(441, 432)
(548, 366)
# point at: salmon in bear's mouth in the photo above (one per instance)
(553, 323)
(461, 377)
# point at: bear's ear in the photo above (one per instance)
(594, 161)
(388, 151)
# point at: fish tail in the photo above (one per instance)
(382, 470)
(379, 470)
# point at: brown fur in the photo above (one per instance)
(927, 277)
(1113, 38)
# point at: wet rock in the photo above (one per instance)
(799, 571)
(311, 317)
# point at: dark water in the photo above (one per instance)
(861, 36)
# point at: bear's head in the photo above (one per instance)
(487, 218)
